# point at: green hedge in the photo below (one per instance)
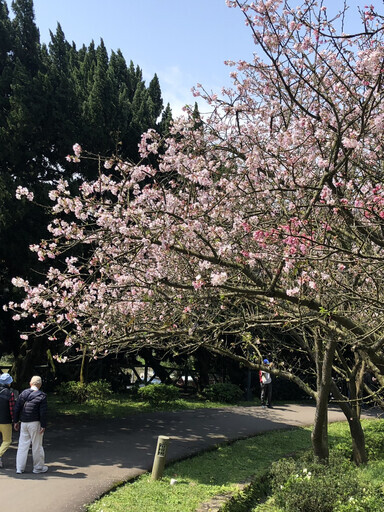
(154, 393)
(80, 393)
(224, 392)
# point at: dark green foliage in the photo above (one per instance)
(80, 393)
(155, 393)
(26, 36)
(6, 43)
(224, 392)
(154, 92)
(72, 392)
(305, 485)
(166, 120)
(98, 391)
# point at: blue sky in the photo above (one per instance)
(184, 41)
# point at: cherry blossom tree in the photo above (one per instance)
(268, 212)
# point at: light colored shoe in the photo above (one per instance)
(44, 469)
(19, 472)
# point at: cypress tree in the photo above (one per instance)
(155, 95)
(6, 45)
(27, 36)
(62, 115)
(122, 111)
(52, 96)
(166, 119)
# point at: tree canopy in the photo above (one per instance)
(50, 97)
(266, 214)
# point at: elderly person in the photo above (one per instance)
(31, 410)
(7, 404)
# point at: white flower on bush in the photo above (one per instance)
(217, 279)
(24, 192)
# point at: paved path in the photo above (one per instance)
(86, 459)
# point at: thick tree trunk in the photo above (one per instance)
(352, 414)
(324, 360)
(320, 428)
(358, 441)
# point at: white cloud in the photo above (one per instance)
(176, 88)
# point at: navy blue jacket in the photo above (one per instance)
(7, 404)
(31, 406)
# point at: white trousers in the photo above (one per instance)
(30, 433)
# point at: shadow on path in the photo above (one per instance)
(88, 457)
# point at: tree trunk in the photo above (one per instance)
(352, 414)
(324, 360)
(32, 354)
(358, 441)
(203, 362)
(320, 428)
(82, 378)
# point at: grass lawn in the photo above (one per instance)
(204, 476)
(218, 472)
(120, 407)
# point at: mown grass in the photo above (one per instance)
(121, 407)
(219, 471)
(204, 476)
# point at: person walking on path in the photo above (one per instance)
(266, 385)
(7, 404)
(31, 410)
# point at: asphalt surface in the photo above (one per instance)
(86, 459)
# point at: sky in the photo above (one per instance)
(184, 42)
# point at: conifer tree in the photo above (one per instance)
(27, 37)
(155, 95)
(52, 96)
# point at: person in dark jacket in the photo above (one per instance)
(7, 404)
(31, 411)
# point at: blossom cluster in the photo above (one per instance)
(275, 198)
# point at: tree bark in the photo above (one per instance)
(320, 428)
(82, 378)
(352, 414)
(324, 360)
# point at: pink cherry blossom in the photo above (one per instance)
(255, 212)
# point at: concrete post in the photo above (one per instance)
(160, 456)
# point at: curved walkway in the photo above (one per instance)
(87, 458)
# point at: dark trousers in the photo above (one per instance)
(266, 393)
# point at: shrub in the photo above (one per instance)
(155, 393)
(223, 392)
(369, 501)
(308, 486)
(374, 437)
(99, 391)
(79, 392)
(72, 392)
